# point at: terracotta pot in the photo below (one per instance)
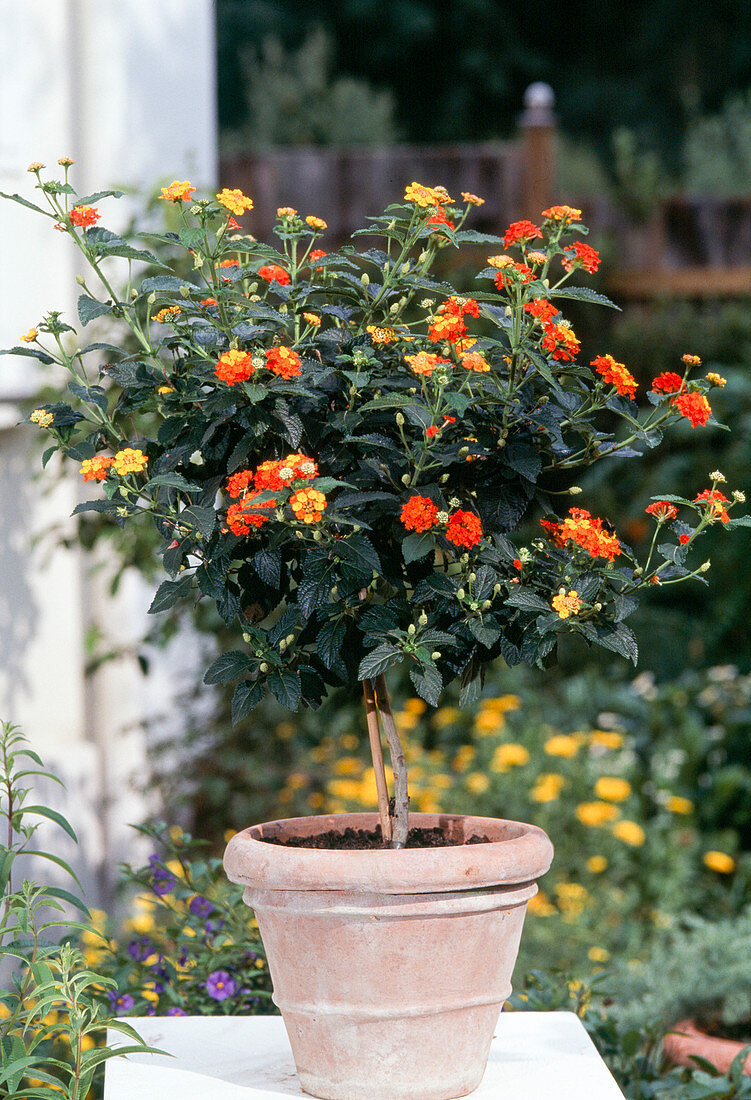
(390, 967)
(687, 1038)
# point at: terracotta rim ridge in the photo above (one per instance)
(516, 853)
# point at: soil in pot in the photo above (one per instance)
(362, 839)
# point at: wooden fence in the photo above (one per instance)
(691, 246)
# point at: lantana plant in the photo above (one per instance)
(338, 449)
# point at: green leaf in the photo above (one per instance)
(416, 545)
(172, 481)
(286, 688)
(65, 895)
(169, 592)
(30, 353)
(202, 520)
(583, 294)
(246, 698)
(527, 599)
(51, 815)
(227, 667)
(30, 205)
(383, 657)
(620, 640)
(54, 859)
(471, 236)
(90, 200)
(389, 401)
(89, 308)
(330, 640)
(428, 683)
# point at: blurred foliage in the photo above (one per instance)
(717, 152)
(652, 68)
(293, 99)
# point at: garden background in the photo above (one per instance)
(640, 776)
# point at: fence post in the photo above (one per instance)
(538, 124)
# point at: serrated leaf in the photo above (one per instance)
(227, 667)
(583, 294)
(172, 481)
(329, 642)
(168, 593)
(620, 640)
(286, 688)
(201, 519)
(246, 698)
(428, 683)
(527, 599)
(416, 545)
(268, 566)
(380, 659)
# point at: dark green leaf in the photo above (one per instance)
(52, 815)
(169, 592)
(246, 698)
(202, 520)
(583, 294)
(227, 667)
(416, 545)
(89, 308)
(286, 688)
(172, 481)
(428, 683)
(380, 659)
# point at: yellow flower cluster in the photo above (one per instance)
(131, 460)
(234, 201)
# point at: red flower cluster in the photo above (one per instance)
(419, 514)
(245, 514)
(234, 366)
(543, 310)
(616, 374)
(662, 510)
(521, 273)
(274, 474)
(586, 531)
(283, 361)
(714, 500)
(439, 219)
(561, 342)
(84, 216)
(464, 529)
(448, 323)
(584, 256)
(694, 406)
(667, 382)
(272, 273)
(521, 232)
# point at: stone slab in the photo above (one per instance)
(533, 1054)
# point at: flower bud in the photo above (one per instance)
(80, 280)
(400, 419)
(575, 490)
(253, 289)
(196, 459)
(423, 620)
(151, 298)
(435, 655)
(317, 536)
(705, 566)
(443, 478)
(423, 256)
(496, 589)
(394, 307)
(405, 479)
(365, 279)
(598, 606)
(263, 667)
(185, 291)
(464, 559)
(460, 593)
(282, 645)
(246, 637)
(486, 604)
(472, 578)
(404, 269)
(411, 629)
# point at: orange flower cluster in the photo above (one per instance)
(278, 473)
(178, 191)
(662, 510)
(316, 254)
(163, 314)
(131, 460)
(561, 342)
(586, 531)
(283, 361)
(308, 505)
(419, 514)
(424, 197)
(472, 200)
(380, 335)
(95, 469)
(244, 515)
(464, 529)
(543, 310)
(566, 605)
(425, 362)
(712, 377)
(234, 201)
(234, 366)
(615, 374)
(520, 233)
(273, 273)
(438, 219)
(694, 406)
(448, 323)
(667, 382)
(584, 256)
(714, 500)
(84, 216)
(316, 223)
(472, 360)
(564, 214)
(511, 273)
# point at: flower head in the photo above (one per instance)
(424, 197)
(694, 406)
(561, 341)
(566, 604)
(520, 233)
(720, 862)
(472, 200)
(464, 529)
(716, 379)
(584, 256)
(616, 374)
(283, 361)
(273, 273)
(596, 813)
(220, 986)
(84, 216)
(246, 514)
(667, 382)
(714, 501)
(563, 214)
(308, 505)
(42, 417)
(178, 191)
(131, 460)
(612, 788)
(95, 469)
(691, 360)
(30, 336)
(662, 510)
(234, 366)
(317, 224)
(419, 514)
(630, 833)
(424, 362)
(234, 201)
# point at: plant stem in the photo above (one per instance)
(400, 812)
(376, 751)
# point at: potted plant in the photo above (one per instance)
(337, 450)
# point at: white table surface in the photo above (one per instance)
(533, 1055)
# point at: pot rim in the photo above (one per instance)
(516, 853)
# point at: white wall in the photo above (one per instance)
(127, 89)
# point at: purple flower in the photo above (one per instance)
(200, 906)
(175, 1011)
(162, 880)
(183, 956)
(220, 986)
(140, 949)
(120, 1001)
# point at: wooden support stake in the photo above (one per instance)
(400, 815)
(376, 751)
